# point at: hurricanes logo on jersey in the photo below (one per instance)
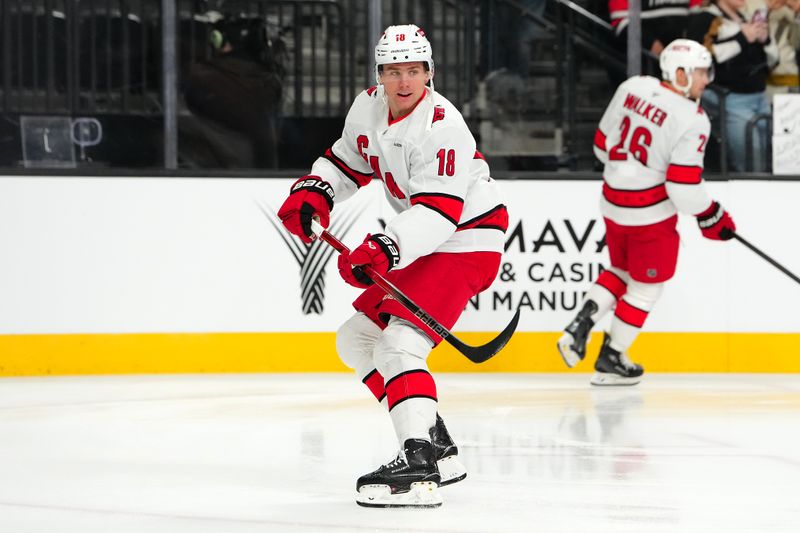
(438, 114)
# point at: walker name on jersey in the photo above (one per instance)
(642, 107)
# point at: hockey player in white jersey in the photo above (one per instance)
(443, 247)
(652, 140)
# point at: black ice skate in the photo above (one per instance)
(572, 343)
(410, 481)
(450, 468)
(615, 368)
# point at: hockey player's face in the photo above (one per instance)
(699, 81)
(404, 84)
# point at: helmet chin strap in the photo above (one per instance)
(683, 88)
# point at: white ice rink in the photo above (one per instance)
(255, 453)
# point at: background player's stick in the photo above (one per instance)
(766, 257)
(476, 354)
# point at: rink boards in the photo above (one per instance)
(121, 275)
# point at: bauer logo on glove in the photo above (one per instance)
(309, 197)
(315, 184)
(715, 223)
(378, 251)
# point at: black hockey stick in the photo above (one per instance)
(765, 256)
(476, 354)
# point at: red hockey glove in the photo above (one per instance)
(353, 275)
(308, 196)
(715, 223)
(378, 251)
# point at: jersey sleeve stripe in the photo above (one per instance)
(495, 218)
(600, 140)
(450, 207)
(684, 174)
(478, 155)
(635, 198)
(359, 178)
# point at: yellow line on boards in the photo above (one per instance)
(144, 353)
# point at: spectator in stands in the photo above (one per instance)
(794, 5)
(239, 88)
(663, 21)
(743, 56)
(784, 30)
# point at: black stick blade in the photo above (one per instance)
(480, 354)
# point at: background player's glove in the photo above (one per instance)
(309, 196)
(378, 251)
(715, 223)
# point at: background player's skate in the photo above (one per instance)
(613, 367)
(572, 344)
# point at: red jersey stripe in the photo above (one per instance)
(496, 218)
(630, 314)
(450, 207)
(683, 174)
(479, 155)
(411, 384)
(600, 140)
(617, 5)
(360, 178)
(635, 198)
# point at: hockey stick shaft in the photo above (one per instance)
(476, 354)
(766, 257)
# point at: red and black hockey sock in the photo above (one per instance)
(605, 292)
(612, 283)
(374, 382)
(411, 384)
(627, 323)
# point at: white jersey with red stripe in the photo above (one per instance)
(431, 172)
(652, 140)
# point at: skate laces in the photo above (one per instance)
(626, 361)
(398, 460)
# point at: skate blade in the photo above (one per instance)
(570, 356)
(424, 494)
(604, 379)
(451, 470)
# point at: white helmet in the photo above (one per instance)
(688, 55)
(403, 44)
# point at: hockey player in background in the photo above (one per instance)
(652, 140)
(443, 247)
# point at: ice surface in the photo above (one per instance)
(242, 453)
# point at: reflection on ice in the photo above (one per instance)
(282, 453)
